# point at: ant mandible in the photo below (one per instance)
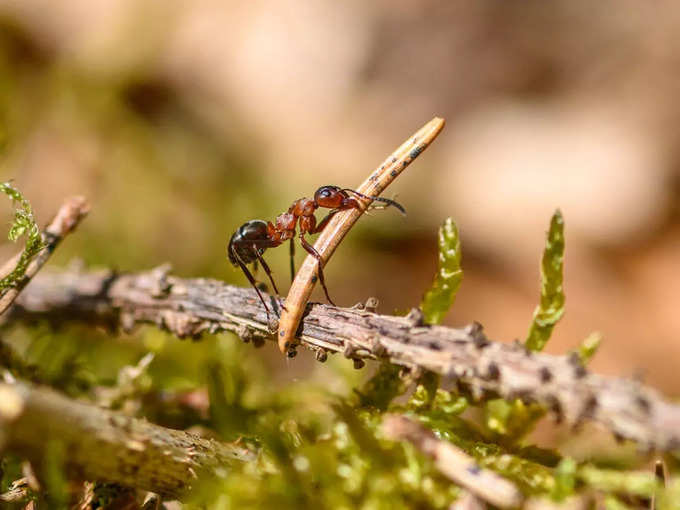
(252, 238)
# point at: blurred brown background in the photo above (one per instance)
(181, 120)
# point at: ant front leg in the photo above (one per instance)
(251, 279)
(312, 251)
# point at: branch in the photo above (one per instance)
(454, 463)
(188, 307)
(69, 215)
(106, 445)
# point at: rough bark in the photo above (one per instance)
(189, 307)
(105, 445)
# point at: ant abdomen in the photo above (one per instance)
(254, 230)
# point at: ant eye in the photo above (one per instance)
(325, 193)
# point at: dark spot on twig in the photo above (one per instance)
(416, 152)
(358, 363)
(160, 287)
(377, 348)
(434, 345)
(314, 278)
(492, 372)
(575, 361)
(474, 469)
(244, 333)
(474, 329)
(321, 355)
(546, 375)
(394, 173)
(416, 317)
(371, 304)
(589, 407)
(348, 351)
(291, 353)
(643, 404)
(556, 408)
(619, 438)
(481, 341)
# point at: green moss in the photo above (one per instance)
(439, 298)
(23, 224)
(382, 388)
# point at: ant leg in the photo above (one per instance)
(387, 201)
(292, 259)
(251, 279)
(312, 251)
(322, 224)
(269, 274)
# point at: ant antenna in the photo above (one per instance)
(387, 201)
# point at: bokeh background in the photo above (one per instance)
(180, 120)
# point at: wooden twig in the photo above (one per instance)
(67, 218)
(467, 501)
(189, 307)
(453, 462)
(340, 224)
(105, 445)
(577, 502)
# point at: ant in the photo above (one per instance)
(252, 238)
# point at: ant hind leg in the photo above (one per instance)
(312, 251)
(251, 279)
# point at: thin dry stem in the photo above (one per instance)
(189, 307)
(453, 462)
(105, 445)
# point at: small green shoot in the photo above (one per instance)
(439, 298)
(24, 224)
(551, 307)
(515, 419)
(588, 348)
(565, 479)
(382, 388)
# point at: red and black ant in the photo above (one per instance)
(252, 238)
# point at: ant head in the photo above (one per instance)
(329, 196)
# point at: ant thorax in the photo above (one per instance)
(284, 228)
(303, 207)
